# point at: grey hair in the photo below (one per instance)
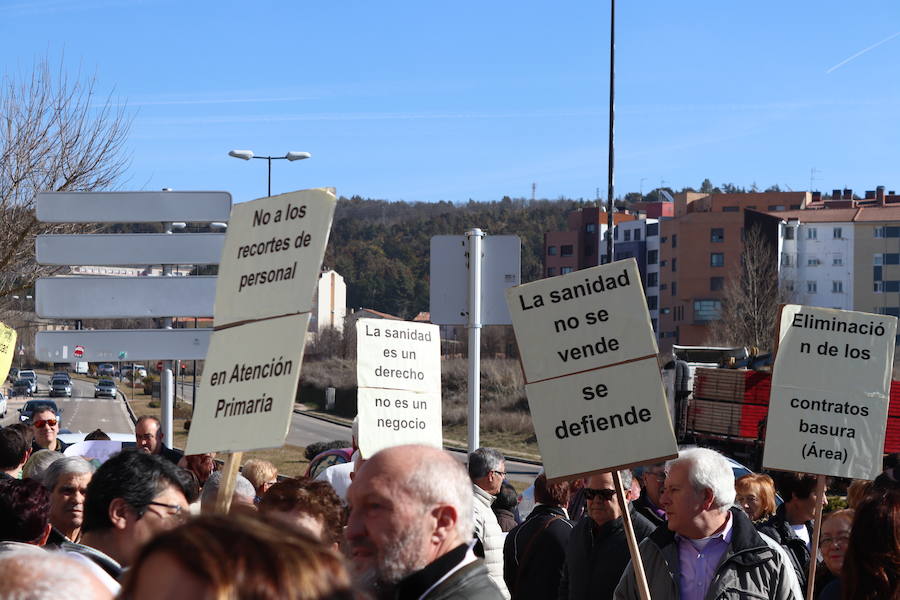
(24, 577)
(66, 465)
(36, 465)
(627, 478)
(484, 460)
(242, 487)
(442, 481)
(708, 470)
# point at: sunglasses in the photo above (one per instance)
(606, 495)
(41, 422)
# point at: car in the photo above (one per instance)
(2, 406)
(26, 411)
(62, 374)
(23, 387)
(61, 386)
(13, 374)
(106, 370)
(328, 458)
(140, 371)
(30, 375)
(105, 387)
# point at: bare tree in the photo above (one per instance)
(55, 135)
(751, 297)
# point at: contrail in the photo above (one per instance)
(861, 52)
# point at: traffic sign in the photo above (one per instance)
(130, 249)
(132, 207)
(121, 344)
(78, 352)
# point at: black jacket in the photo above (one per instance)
(644, 506)
(777, 528)
(534, 553)
(469, 582)
(596, 557)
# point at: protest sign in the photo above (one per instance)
(399, 384)
(272, 255)
(250, 379)
(830, 392)
(7, 349)
(592, 379)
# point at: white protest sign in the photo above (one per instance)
(250, 378)
(580, 321)
(830, 392)
(272, 255)
(592, 378)
(398, 376)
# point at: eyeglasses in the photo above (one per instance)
(500, 473)
(177, 509)
(841, 540)
(606, 494)
(41, 422)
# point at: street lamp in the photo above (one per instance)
(248, 154)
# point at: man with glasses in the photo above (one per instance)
(130, 498)
(149, 437)
(653, 480)
(597, 551)
(45, 424)
(487, 470)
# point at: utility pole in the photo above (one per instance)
(612, 121)
(533, 191)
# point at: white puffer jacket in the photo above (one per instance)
(488, 531)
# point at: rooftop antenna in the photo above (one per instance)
(812, 177)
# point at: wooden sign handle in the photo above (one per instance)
(814, 542)
(226, 484)
(639, 576)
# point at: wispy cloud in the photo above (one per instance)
(861, 52)
(200, 101)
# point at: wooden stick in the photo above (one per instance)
(814, 542)
(226, 484)
(639, 576)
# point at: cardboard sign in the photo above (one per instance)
(592, 378)
(250, 378)
(272, 255)
(398, 376)
(830, 392)
(7, 349)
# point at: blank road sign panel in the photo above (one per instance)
(124, 297)
(130, 249)
(109, 346)
(133, 207)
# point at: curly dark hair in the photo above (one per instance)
(24, 510)
(315, 498)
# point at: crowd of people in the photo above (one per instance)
(413, 522)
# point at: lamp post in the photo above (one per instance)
(248, 154)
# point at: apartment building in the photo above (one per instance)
(578, 246)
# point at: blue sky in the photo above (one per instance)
(450, 101)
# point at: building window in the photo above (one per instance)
(811, 287)
(637, 235)
(716, 284)
(877, 259)
(674, 265)
(627, 235)
(652, 257)
(837, 261)
(731, 209)
(876, 274)
(891, 311)
(776, 207)
(837, 287)
(653, 324)
(788, 233)
(664, 239)
(674, 240)
(564, 270)
(836, 232)
(652, 229)
(813, 262)
(879, 287)
(891, 258)
(717, 235)
(717, 259)
(785, 259)
(811, 233)
(551, 271)
(551, 250)
(788, 285)
(566, 250)
(707, 310)
(878, 232)
(651, 302)
(663, 263)
(588, 249)
(616, 233)
(652, 279)
(590, 227)
(663, 286)
(674, 288)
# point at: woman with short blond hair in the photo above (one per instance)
(756, 495)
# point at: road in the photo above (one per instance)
(80, 413)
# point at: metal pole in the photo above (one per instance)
(474, 239)
(194, 378)
(166, 384)
(269, 160)
(612, 120)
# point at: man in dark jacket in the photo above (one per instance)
(653, 479)
(792, 524)
(534, 551)
(412, 506)
(597, 552)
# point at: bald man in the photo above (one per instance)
(410, 528)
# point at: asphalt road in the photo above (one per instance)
(80, 413)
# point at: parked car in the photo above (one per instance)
(139, 370)
(105, 388)
(106, 370)
(329, 458)
(26, 411)
(13, 374)
(23, 387)
(61, 386)
(2, 406)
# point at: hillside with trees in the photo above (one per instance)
(381, 248)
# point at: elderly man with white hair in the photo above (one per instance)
(708, 549)
(410, 526)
